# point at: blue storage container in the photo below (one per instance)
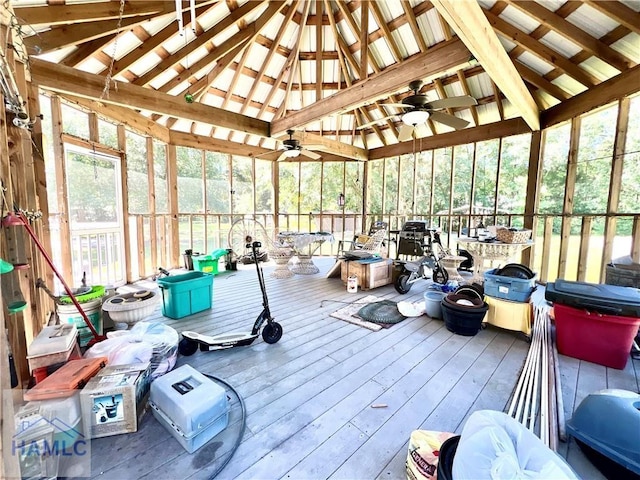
(508, 288)
(192, 407)
(186, 294)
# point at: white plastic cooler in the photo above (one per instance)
(192, 407)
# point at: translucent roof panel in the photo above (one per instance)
(592, 21)
(560, 44)
(629, 46)
(519, 19)
(535, 63)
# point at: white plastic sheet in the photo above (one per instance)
(495, 446)
(146, 341)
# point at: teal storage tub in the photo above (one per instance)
(186, 294)
(508, 288)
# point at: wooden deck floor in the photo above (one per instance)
(309, 396)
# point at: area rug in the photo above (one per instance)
(350, 313)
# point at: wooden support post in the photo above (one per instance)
(569, 191)
(124, 182)
(583, 257)
(635, 241)
(151, 178)
(534, 183)
(61, 186)
(615, 183)
(546, 248)
(173, 227)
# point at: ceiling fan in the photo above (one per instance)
(420, 109)
(291, 148)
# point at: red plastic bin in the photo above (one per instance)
(594, 337)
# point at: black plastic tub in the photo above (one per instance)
(445, 458)
(463, 322)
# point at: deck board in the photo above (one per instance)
(309, 396)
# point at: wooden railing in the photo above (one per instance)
(579, 251)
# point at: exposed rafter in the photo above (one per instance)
(69, 14)
(74, 82)
(472, 27)
(619, 12)
(201, 40)
(442, 57)
(573, 33)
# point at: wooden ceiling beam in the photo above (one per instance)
(532, 77)
(201, 40)
(292, 63)
(382, 23)
(467, 20)
(214, 144)
(68, 35)
(123, 115)
(617, 87)
(53, 15)
(573, 33)
(324, 144)
(411, 19)
(86, 50)
(441, 57)
(514, 126)
(156, 41)
(619, 12)
(68, 80)
(541, 51)
(319, 49)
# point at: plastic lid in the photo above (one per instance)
(5, 267)
(16, 307)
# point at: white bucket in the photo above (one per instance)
(93, 310)
(432, 302)
(352, 284)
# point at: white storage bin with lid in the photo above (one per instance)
(62, 413)
(192, 407)
(53, 344)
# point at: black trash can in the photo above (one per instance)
(187, 257)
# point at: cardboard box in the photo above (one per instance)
(370, 274)
(114, 401)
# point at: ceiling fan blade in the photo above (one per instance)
(272, 155)
(399, 105)
(283, 156)
(405, 132)
(450, 120)
(453, 102)
(374, 122)
(310, 154)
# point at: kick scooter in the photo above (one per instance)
(271, 333)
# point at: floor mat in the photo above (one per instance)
(350, 313)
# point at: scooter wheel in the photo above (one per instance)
(440, 276)
(402, 284)
(272, 332)
(187, 347)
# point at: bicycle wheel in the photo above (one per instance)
(246, 231)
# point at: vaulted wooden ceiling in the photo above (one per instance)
(255, 69)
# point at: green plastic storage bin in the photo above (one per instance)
(206, 264)
(186, 294)
(209, 263)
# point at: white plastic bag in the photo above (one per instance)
(146, 341)
(495, 446)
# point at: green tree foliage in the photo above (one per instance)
(463, 173)
(137, 174)
(597, 134)
(554, 168)
(217, 178)
(514, 165)
(374, 187)
(442, 179)
(92, 188)
(486, 174)
(190, 191)
(242, 178)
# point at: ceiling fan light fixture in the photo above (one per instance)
(292, 153)
(415, 117)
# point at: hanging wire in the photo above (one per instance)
(107, 80)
